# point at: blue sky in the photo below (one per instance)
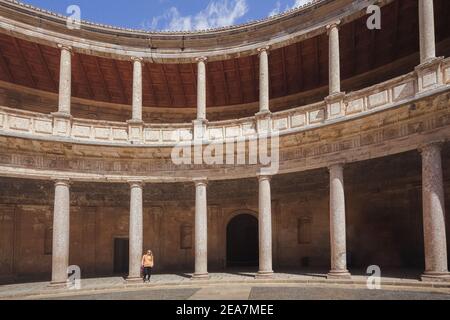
(170, 14)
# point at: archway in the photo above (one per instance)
(242, 241)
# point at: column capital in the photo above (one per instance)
(137, 59)
(62, 181)
(432, 144)
(335, 24)
(64, 47)
(200, 181)
(136, 183)
(334, 165)
(263, 176)
(263, 49)
(62, 115)
(201, 59)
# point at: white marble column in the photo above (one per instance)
(65, 81)
(264, 80)
(201, 88)
(334, 59)
(61, 230)
(427, 31)
(136, 230)
(265, 227)
(337, 223)
(137, 89)
(436, 263)
(201, 229)
(200, 124)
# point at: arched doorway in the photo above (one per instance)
(242, 241)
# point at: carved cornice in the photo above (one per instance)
(48, 28)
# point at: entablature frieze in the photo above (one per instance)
(381, 134)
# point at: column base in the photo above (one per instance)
(62, 115)
(200, 276)
(136, 122)
(263, 114)
(134, 280)
(264, 275)
(339, 275)
(57, 285)
(435, 277)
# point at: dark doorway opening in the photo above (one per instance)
(242, 242)
(121, 257)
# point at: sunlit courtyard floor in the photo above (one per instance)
(238, 285)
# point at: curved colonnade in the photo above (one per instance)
(406, 113)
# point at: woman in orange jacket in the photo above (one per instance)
(147, 265)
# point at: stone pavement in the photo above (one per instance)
(212, 288)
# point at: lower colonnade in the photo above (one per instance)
(434, 223)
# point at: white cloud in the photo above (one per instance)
(219, 13)
(275, 10)
(299, 3)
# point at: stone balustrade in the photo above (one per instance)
(356, 104)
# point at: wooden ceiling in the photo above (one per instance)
(297, 68)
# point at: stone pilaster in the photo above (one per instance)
(61, 231)
(263, 123)
(338, 224)
(201, 229)
(334, 58)
(436, 264)
(265, 227)
(264, 80)
(136, 230)
(335, 105)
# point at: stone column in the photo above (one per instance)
(264, 80)
(337, 223)
(201, 122)
(61, 230)
(334, 60)
(201, 229)
(265, 227)
(65, 81)
(427, 32)
(201, 88)
(436, 263)
(136, 230)
(137, 89)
